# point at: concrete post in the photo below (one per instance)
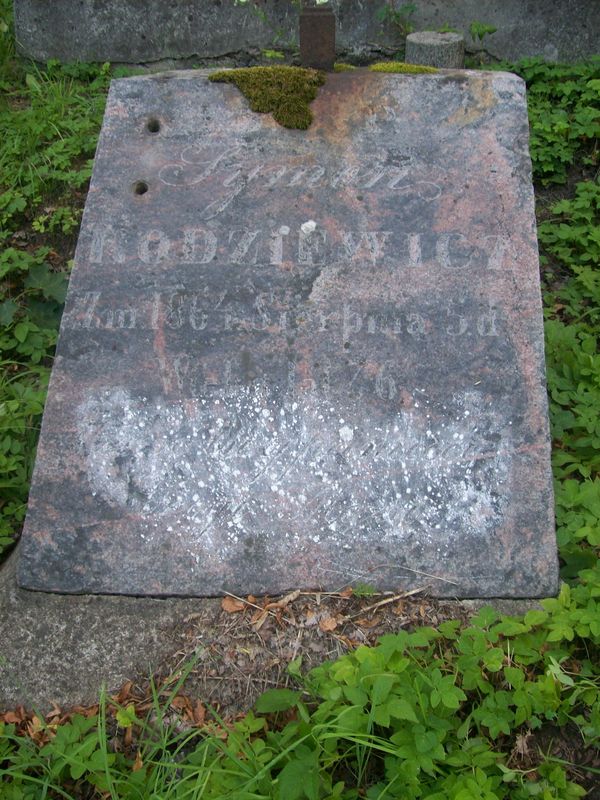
(434, 49)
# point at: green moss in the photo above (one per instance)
(339, 66)
(400, 66)
(286, 92)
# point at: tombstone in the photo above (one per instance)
(301, 359)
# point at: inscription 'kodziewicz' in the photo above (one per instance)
(201, 245)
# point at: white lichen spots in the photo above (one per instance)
(294, 470)
(308, 227)
(346, 433)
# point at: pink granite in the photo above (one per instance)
(300, 359)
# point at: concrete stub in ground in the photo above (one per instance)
(301, 358)
(432, 49)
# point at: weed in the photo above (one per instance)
(398, 16)
(564, 116)
(360, 589)
(479, 30)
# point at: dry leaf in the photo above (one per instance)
(231, 605)
(56, 713)
(124, 693)
(128, 737)
(192, 617)
(311, 619)
(365, 622)
(521, 747)
(289, 598)
(199, 713)
(328, 624)
(348, 592)
(181, 702)
(10, 717)
(258, 620)
(138, 763)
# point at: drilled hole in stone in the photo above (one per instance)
(153, 125)
(140, 187)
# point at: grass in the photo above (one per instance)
(460, 712)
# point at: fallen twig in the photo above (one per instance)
(386, 601)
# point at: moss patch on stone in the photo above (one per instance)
(285, 92)
(340, 66)
(400, 66)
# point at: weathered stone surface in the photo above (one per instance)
(62, 649)
(134, 31)
(301, 358)
(446, 50)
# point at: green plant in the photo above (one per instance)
(360, 589)
(49, 122)
(564, 116)
(273, 55)
(479, 30)
(7, 48)
(398, 16)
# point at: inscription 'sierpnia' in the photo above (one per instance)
(301, 359)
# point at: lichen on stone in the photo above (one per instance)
(401, 66)
(286, 92)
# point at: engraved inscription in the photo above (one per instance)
(319, 246)
(215, 314)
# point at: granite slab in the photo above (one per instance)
(301, 359)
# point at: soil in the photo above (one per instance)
(242, 653)
(564, 744)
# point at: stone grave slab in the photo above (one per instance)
(301, 359)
